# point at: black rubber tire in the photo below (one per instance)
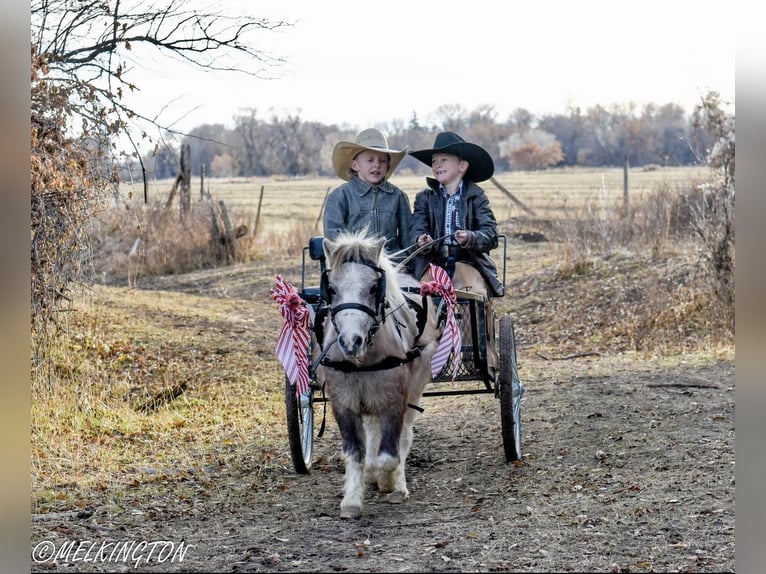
(511, 390)
(300, 427)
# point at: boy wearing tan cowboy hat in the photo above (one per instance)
(368, 199)
(454, 210)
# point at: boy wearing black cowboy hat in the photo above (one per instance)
(368, 199)
(455, 210)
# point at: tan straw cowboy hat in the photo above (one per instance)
(370, 139)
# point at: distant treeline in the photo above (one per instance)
(599, 136)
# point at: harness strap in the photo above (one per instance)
(421, 309)
(385, 364)
(319, 318)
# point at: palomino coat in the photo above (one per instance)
(475, 215)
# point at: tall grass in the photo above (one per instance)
(278, 216)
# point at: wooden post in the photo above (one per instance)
(513, 197)
(231, 248)
(321, 209)
(202, 182)
(215, 232)
(258, 213)
(174, 190)
(185, 200)
(625, 167)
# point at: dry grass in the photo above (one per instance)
(550, 194)
(89, 428)
(603, 282)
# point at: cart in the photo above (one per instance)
(472, 314)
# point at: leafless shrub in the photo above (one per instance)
(130, 243)
(658, 222)
(712, 219)
(134, 242)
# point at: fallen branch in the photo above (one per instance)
(695, 385)
(513, 198)
(65, 515)
(573, 356)
(162, 398)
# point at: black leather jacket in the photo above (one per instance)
(475, 215)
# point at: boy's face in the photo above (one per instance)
(371, 166)
(448, 169)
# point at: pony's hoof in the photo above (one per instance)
(350, 512)
(397, 497)
(385, 487)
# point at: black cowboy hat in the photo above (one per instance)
(480, 165)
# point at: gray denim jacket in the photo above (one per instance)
(383, 209)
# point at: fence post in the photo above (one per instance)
(229, 235)
(625, 166)
(258, 213)
(202, 182)
(186, 182)
(321, 209)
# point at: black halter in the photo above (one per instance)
(378, 315)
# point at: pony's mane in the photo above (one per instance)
(360, 246)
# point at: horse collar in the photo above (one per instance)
(383, 365)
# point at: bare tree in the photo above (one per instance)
(90, 45)
(85, 55)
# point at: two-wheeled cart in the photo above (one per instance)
(473, 315)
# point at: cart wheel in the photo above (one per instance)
(511, 390)
(300, 426)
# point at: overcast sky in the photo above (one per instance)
(365, 64)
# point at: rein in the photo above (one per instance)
(418, 250)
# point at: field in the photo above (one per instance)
(553, 194)
(166, 419)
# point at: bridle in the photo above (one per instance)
(378, 315)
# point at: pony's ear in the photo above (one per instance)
(329, 247)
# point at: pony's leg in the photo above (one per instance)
(372, 441)
(400, 492)
(351, 429)
(389, 459)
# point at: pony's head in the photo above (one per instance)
(358, 285)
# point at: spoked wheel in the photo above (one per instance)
(300, 426)
(511, 390)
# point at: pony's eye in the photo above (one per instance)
(374, 290)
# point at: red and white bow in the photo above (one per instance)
(293, 342)
(451, 340)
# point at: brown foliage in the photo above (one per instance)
(531, 156)
(63, 198)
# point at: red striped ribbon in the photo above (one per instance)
(293, 342)
(451, 339)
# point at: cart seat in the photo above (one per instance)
(316, 249)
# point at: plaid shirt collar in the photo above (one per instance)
(451, 213)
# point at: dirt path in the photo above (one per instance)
(628, 467)
(627, 471)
